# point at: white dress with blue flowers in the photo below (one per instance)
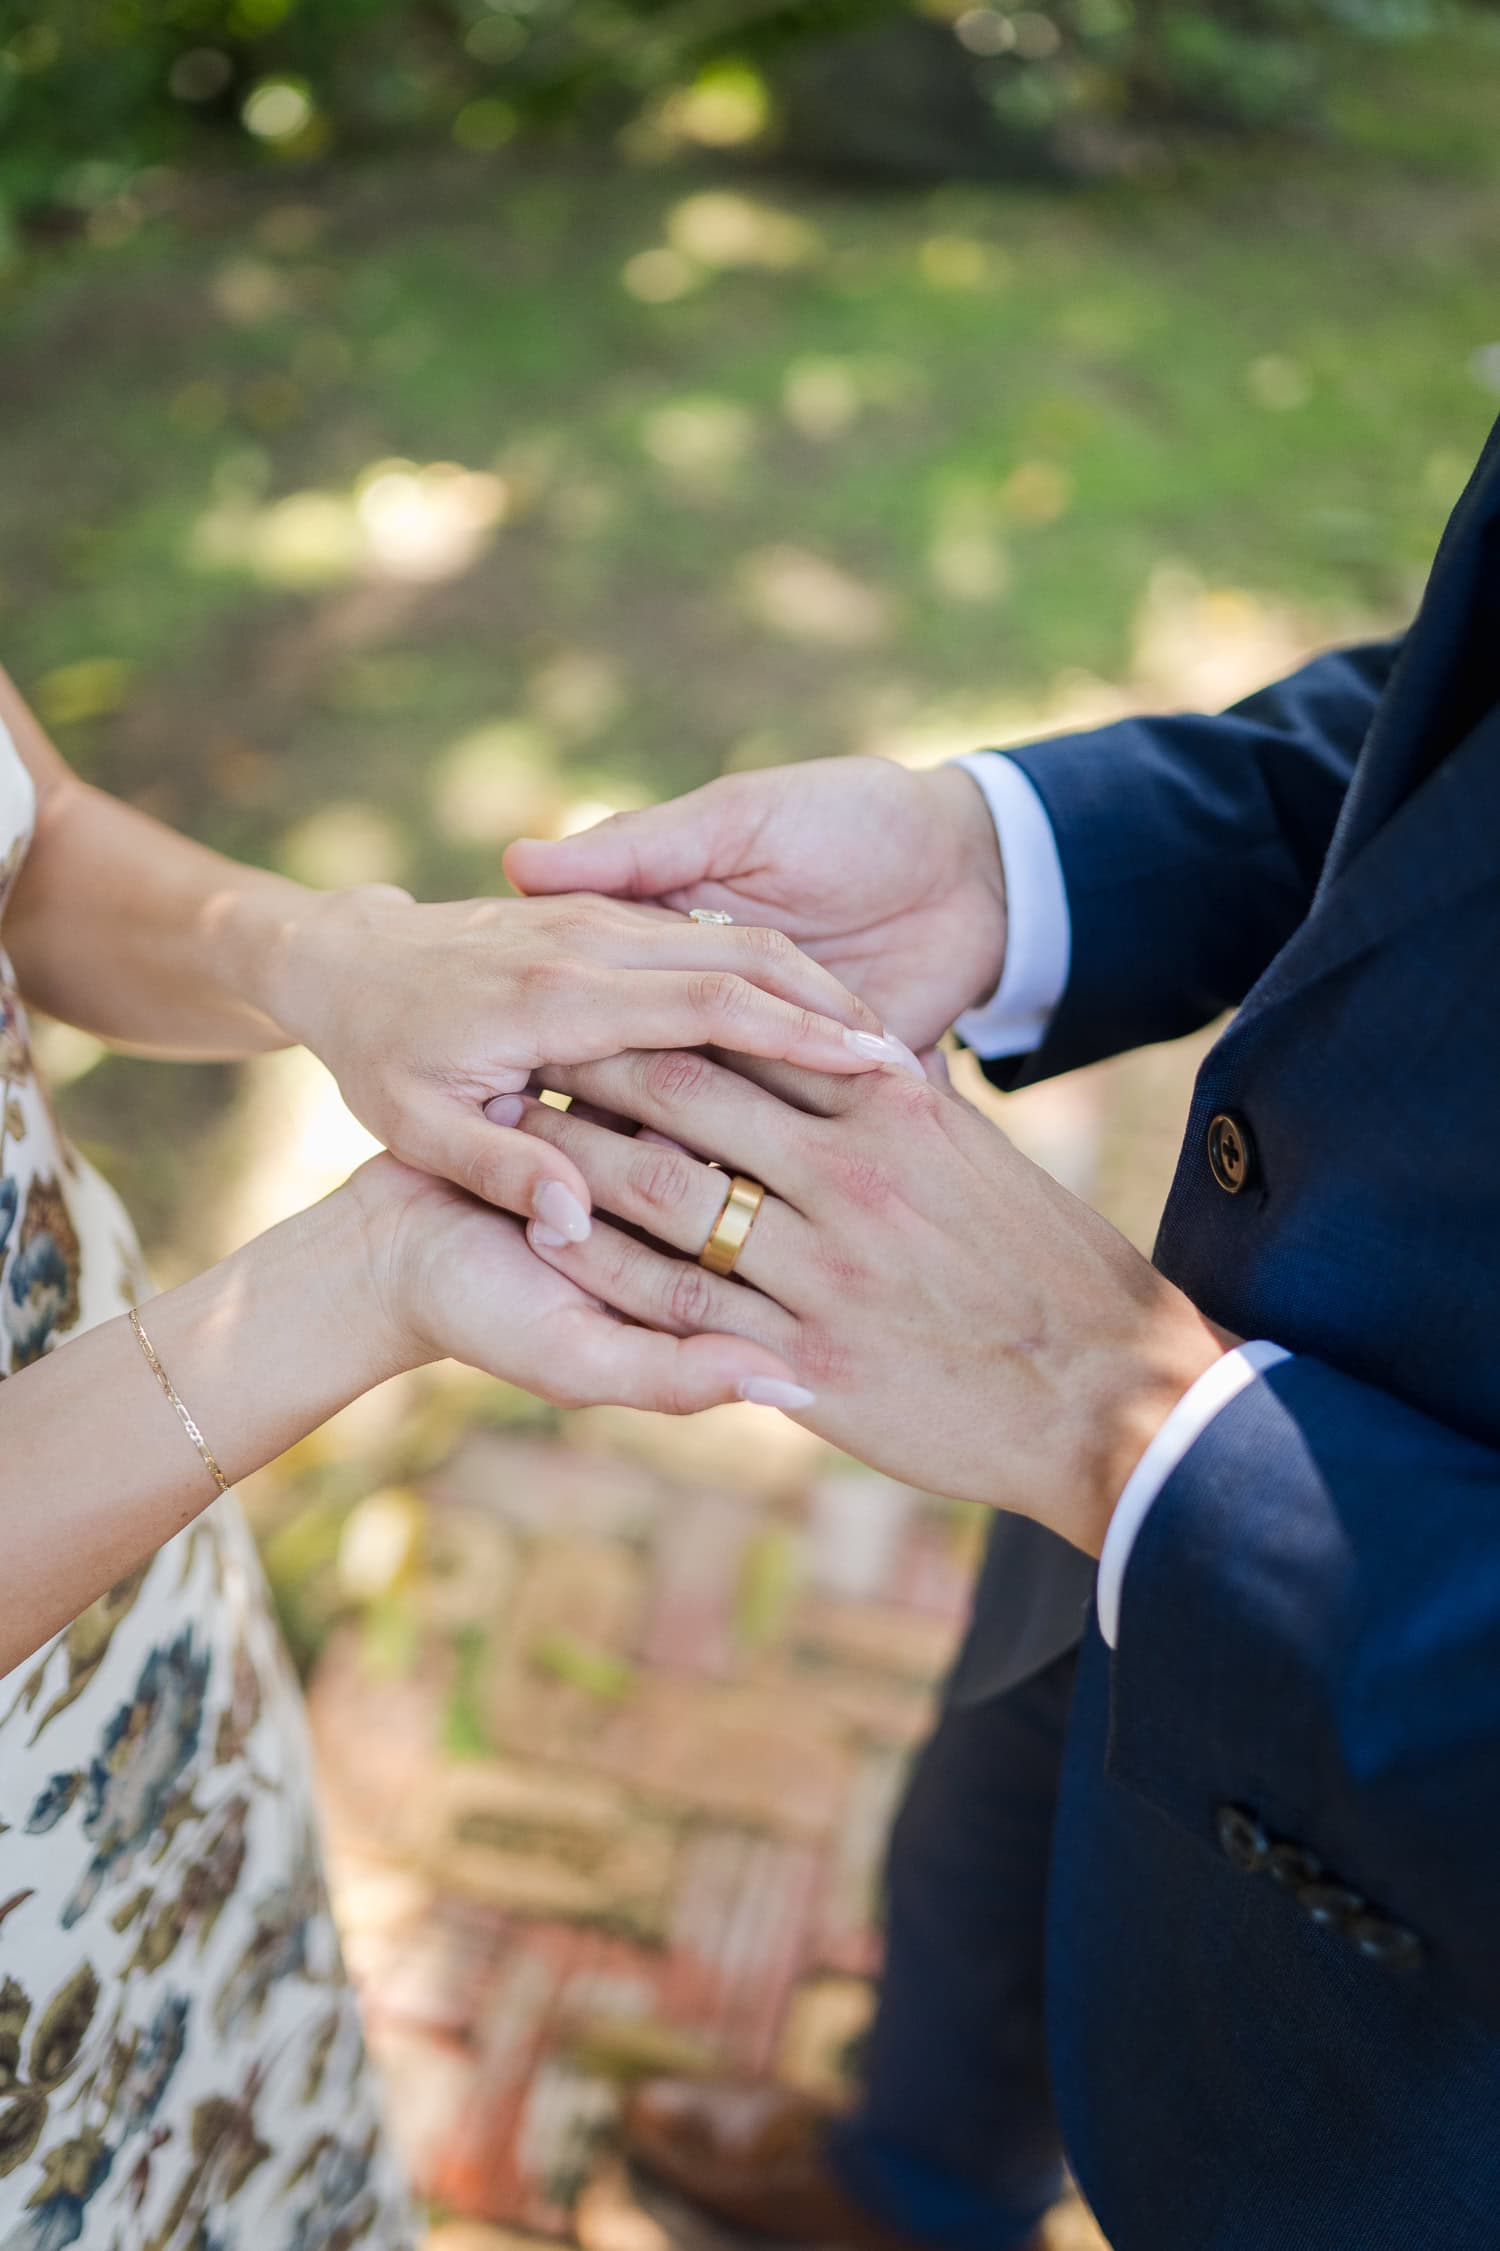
(181, 2067)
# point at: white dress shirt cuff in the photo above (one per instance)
(1185, 1425)
(1038, 936)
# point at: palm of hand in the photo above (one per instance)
(852, 859)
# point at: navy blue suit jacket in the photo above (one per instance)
(1275, 1917)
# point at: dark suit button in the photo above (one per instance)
(1384, 1942)
(1330, 1906)
(1231, 1152)
(1293, 1866)
(1241, 1838)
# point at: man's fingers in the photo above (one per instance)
(631, 1367)
(811, 1091)
(710, 1110)
(658, 1187)
(672, 1294)
(637, 855)
(481, 1151)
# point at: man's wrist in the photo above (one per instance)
(1155, 1381)
(980, 868)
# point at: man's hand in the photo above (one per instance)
(964, 1322)
(891, 879)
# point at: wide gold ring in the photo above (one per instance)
(731, 1230)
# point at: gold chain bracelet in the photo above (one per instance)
(186, 1420)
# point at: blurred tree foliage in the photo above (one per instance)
(93, 92)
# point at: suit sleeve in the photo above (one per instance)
(1311, 1630)
(1191, 848)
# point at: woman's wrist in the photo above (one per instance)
(292, 1327)
(292, 949)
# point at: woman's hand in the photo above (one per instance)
(425, 1013)
(965, 1322)
(450, 1278)
(892, 880)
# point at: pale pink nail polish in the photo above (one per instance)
(768, 1391)
(547, 1238)
(561, 1211)
(887, 1049)
(504, 1109)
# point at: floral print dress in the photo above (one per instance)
(181, 2067)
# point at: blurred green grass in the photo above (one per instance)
(777, 472)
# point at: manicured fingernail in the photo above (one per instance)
(560, 1209)
(546, 1237)
(885, 1048)
(504, 1109)
(767, 1391)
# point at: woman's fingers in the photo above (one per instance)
(763, 957)
(706, 1108)
(672, 1294)
(614, 1364)
(659, 1188)
(481, 1151)
(720, 1008)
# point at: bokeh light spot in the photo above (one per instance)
(726, 107)
(484, 125)
(698, 439)
(496, 782)
(658, 276)
(342, 845)
(278, 109)
(804, 597)
(722, 228)
(984, 31)
(821, 397)
(1038, 492)
(90, 689)
(1277, 382)
(954, 261)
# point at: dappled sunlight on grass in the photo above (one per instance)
(398, 521)
(496, 782)
(343, 844)
(791, 591)
(699, 442)
(722, 228)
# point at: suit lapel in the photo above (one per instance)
(1440, 844)
(1444, 678)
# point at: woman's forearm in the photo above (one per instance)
(96, 1471)
(121, 926)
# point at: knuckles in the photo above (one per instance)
(772, 949)
(863, 1181)
(688, 1296)
(674, 1078)
(660, 1180)
(718, 996)
(822, 1361)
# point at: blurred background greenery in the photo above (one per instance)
(428, 420)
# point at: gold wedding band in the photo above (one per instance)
(732, 1227)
